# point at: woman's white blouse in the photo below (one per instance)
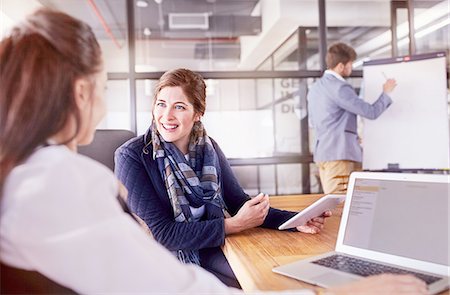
(60, 217)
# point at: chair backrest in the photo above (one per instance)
(105, 143)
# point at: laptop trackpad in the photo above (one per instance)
(333, 279)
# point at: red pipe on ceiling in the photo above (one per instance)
(205, 39)
(103, 22)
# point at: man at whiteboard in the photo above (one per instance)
(332, 107)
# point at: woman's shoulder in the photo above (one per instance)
(216, 146)
(56, 175)
(61, 190)
(133, 146)
(54, 166)
(214, 143)
(58, 163)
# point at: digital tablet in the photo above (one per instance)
(323, 204)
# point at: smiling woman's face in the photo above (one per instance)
(174, 116)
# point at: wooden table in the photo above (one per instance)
(253, 253)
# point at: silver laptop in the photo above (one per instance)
(391, 223)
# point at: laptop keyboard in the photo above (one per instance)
(366, 268)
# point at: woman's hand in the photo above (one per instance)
(315, 225)
(383, 284)
(252, 214)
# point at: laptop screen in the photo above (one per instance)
(403, 218)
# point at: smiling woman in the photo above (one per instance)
(181, 184)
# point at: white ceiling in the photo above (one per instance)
(279, 20)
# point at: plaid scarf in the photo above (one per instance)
(190, 183)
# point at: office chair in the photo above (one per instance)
(105, 143)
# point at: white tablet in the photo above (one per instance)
(323, 204)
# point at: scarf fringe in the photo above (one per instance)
(188, 256)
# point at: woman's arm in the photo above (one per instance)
(235, 197)
(107, 249)
(152, 205)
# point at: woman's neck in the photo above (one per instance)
(182, 145)
(65, 136)
(61, 138)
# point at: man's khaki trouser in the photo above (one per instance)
(334, 175)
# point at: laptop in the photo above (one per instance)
(391, 223)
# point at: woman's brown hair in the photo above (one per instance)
(191, 83)
(39, 63)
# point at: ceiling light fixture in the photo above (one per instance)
(158, 1)
(420, 21)
(141, 3)
(432, 28)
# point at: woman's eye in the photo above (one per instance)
(160, 104)
(179, 107)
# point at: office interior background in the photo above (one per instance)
(258, 58)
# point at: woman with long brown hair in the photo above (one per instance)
(62, 229)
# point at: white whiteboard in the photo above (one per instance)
(414, 131)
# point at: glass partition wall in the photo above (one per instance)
(258, 59)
